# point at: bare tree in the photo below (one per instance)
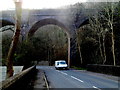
(95, 26)
(14, 42)
(109, 10)
(102, 22)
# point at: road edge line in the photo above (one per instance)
(96, 87)
(46, 81)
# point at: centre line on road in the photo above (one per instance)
(64, 73)
(96, 87)
(76, 79)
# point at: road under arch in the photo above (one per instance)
(48, 21)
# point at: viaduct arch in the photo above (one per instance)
(50, 21)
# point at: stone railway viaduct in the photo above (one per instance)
(34, 19)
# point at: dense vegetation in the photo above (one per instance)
(48, 43)
(99, 41)
(96, 43)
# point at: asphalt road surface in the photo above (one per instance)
(77, 79)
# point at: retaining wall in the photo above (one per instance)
(106, 69)
(19, 81)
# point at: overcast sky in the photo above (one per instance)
(39, 4)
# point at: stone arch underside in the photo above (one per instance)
(54, 22)
(84, 23)
(4, 22)
(44, 22)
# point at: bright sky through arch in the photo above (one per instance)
(37, 4)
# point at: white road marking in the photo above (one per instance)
(71, 76)
(76, 79)
(57, 71)
(96, 87)
(64, 73)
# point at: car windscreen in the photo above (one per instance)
(62, 63)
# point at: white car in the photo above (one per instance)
(61, 64)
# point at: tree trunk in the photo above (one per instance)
(14, 42)
(112, 34)
(101, 54)
(79, 48)
(104, 52)
(113, 47)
